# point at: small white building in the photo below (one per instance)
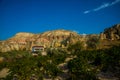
(37, 48)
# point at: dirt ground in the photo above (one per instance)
(4, 72)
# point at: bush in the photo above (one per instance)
(80, 70)
(92, 42)
(84, 66)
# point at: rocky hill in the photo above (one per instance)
(110, 36)
(55, 38)
(112, 33)
(58, 38)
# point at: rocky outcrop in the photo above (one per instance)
(112, 33)
(55, 38)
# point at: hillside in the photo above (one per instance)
(110, 36)
(55, 38)
(67, 56)
(112, 33)
(59, 64)
(60, 38)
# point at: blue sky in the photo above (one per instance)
(36, 16)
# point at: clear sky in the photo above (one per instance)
(36, 16)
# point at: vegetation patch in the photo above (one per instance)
(82, 65)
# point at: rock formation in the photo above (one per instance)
(56, 38)
(112, 33)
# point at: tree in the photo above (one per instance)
(75, 48)
(80, 70)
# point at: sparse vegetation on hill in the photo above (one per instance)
(83, 65)
(69, 56)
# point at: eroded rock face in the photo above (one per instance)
(112, 33)
(102, 36)
(56, 38)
